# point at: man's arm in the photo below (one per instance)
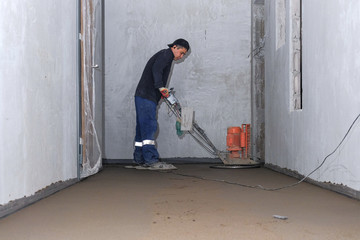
(160, 69)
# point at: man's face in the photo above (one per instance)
(178, 52)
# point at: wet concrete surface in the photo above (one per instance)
(121, 203)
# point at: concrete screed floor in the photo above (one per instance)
(121, 203)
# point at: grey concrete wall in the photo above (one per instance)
(214, 79)
(258, 82)
(300, 140)
(38, 144)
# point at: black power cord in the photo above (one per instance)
(278, 188)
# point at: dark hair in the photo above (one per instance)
(180, 43)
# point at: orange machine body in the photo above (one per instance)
(233, 141)
(238, 140)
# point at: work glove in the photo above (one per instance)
(164, 92)
(178, 128)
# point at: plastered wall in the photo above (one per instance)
(38, 114)
(214, 79)
(258, 82)
(300, 140)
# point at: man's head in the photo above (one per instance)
(179, 48)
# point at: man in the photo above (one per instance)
(151, 87)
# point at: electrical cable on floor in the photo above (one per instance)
(278, 188)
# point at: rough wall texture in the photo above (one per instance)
(214, 79)
(258, 82)
(300, 140)
(37, 95)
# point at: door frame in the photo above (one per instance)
(86, 69)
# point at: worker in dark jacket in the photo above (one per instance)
(151, 87)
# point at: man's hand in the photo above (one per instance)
(164, 92)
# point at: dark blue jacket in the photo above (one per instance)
(155, 75)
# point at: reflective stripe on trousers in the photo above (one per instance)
(148, 142)
(145, 142)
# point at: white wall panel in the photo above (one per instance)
(37, 95)
(300, 140)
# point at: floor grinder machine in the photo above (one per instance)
(238, 139)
